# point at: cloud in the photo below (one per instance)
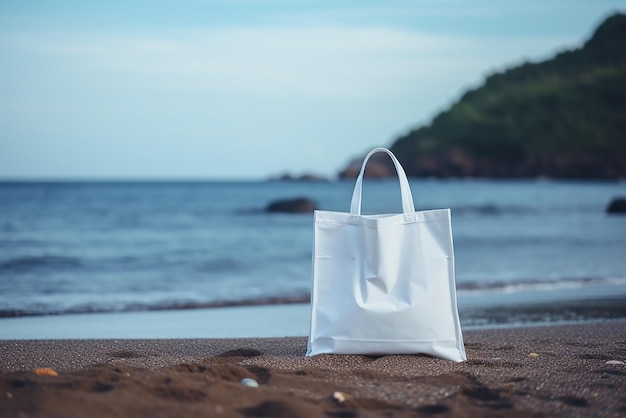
(330, 61)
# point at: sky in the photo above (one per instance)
(248, 89)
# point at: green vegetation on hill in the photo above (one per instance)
(562, 118)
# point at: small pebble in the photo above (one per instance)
(246, 381)
(606, 375)
(614, 362)
(218, 409)
(46, 371)
(533, 355)
(9, 395)
(339, 397)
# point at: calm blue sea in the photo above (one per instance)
(131, 246)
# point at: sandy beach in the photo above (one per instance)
(567, 370)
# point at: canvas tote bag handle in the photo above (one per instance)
(407, 198)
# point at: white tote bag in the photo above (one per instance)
(384, 284)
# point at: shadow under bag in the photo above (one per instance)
(384, 284)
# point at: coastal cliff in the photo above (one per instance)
(560, 118)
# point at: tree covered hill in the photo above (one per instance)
(561, 118)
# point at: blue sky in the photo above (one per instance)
(198, 89)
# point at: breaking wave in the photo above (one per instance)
(463, 288)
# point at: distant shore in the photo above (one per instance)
(568, 370)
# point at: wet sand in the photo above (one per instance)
(568, 371)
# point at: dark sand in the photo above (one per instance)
(567, 375)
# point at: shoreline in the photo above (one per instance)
(481, 311)
(562, 370)
(485, 293)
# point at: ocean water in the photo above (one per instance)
(134, 246)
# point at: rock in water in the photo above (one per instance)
(617, 205)
(297, 205)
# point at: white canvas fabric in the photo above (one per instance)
(384, 284)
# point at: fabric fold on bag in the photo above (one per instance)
(384, 284)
